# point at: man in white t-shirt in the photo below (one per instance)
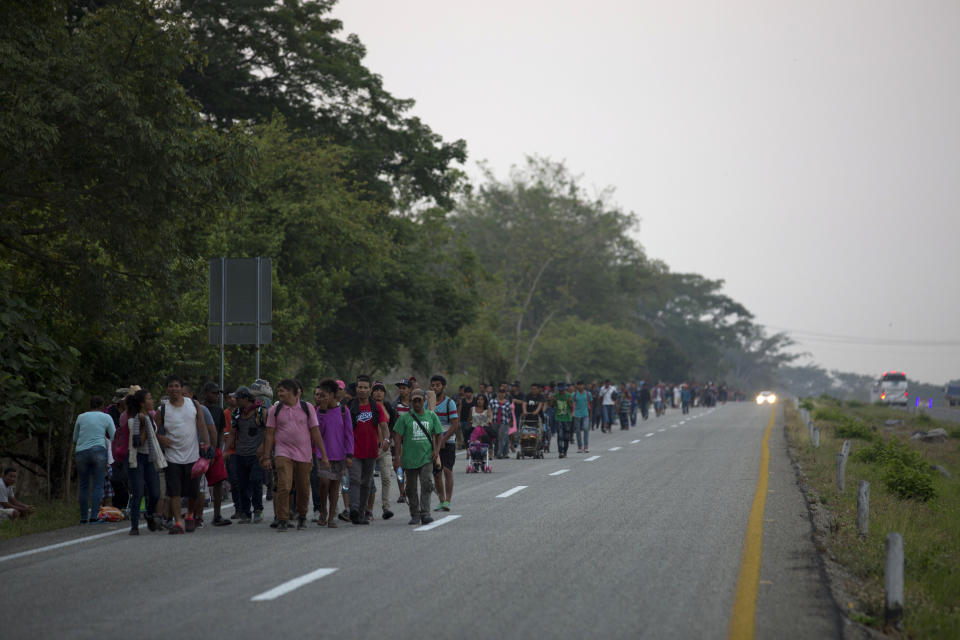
(608, 404)
(10, 507)
(184, 436)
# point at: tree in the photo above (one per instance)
(573, 348)
(553, 251)
(260, 57)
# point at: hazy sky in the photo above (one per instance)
(807, 153)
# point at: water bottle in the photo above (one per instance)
(399, 474)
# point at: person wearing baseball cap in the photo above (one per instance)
(418, 446)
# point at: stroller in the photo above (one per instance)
(531, 440)
(479, 452)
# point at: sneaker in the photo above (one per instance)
(426, 519)
(189, 525)
(244, 520)
(236, 515)
(281, 525)
(579, 449)
(220, 521)
(258, 517)
(586, 450)
(563, 455)
(439, 507)
(176, 529)
(445, 505)
(151, 522)
(387, 514)
(274, 524)
(301, 523)
(134, 532)
(344, 515)
(364, 520)
(414, 520)
(354, 516)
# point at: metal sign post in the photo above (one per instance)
(238, 315)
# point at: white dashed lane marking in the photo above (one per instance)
(590, 459)
(290, 585)
(648, 435)
(560, 472)
(614, 448)
(517, 489)
(437, 523)
(634, 441)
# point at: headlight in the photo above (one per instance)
(759, 399)
(773, 398)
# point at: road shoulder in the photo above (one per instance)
(794, 597)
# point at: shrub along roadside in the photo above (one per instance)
(892, 465)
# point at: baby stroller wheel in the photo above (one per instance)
(488, 469)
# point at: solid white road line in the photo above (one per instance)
(559, 473)
(437, 523)
(517, 489)
(634, 441)
(648, 435)
(614, 448)
(290, 585)
(68, 543)
(590, 459)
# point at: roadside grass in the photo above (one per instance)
(930, 529)
(49, 515)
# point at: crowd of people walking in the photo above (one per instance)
(169, 459)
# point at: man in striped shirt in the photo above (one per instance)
(502, 409)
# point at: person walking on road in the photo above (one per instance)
(564, 419)
(419, 436)
(183, 434)
(293, 431)
(581, 417)
(248, 426)
(370, 435)
(144, 457)
(608, 404)
(501, 409)
(336, 428)
(446, 411)
(385, 459)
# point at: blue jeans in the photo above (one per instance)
(581, 426)
(250, 481)
(91, 471)
(143, 475)
(608, 411)
(633, 415)
(503, 438)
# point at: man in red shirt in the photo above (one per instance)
(370, 437)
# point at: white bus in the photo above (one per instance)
(891, 388)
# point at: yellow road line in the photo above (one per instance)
(743, 617)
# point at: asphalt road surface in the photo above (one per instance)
(641, 538)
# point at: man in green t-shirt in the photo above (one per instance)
(418, 447)
(564, 419)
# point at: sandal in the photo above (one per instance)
(332, 524)
(322, 521)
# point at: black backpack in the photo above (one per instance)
(303, 405)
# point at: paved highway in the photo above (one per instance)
(642, 538)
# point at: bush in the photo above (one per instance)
(905, 474)
(955, 433)
(923, 418)
(855, 404)
(847, 427)
(908, 482)
(807, 404)
(855, 429)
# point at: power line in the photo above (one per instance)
(830, 338)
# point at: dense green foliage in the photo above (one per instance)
(905, 473)
(141, 138)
